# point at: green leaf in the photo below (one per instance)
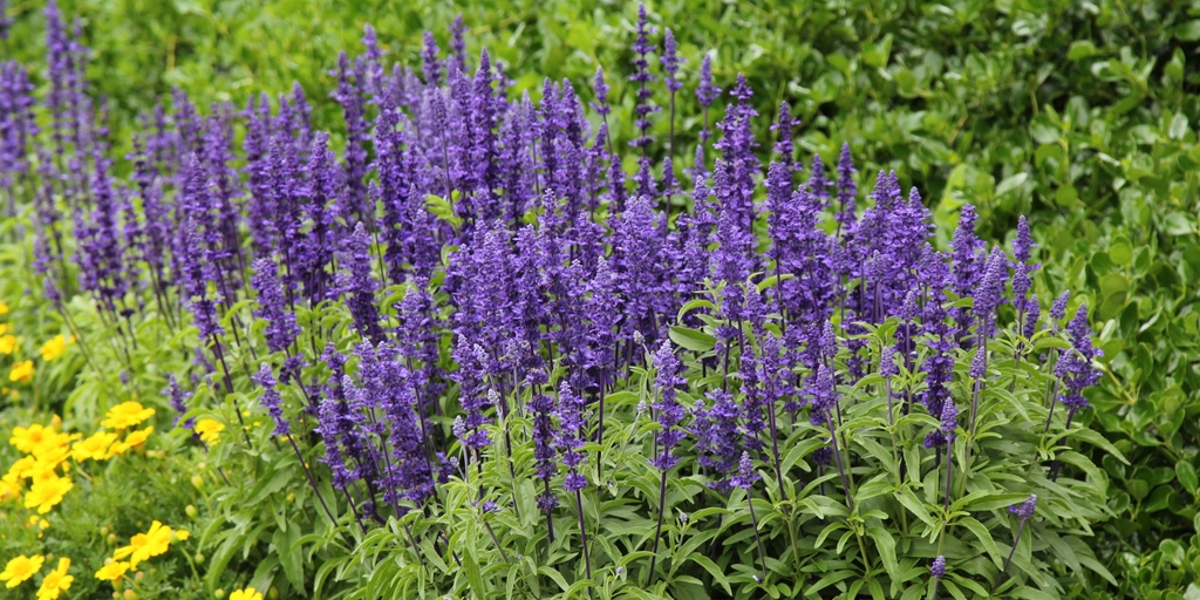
(1080, 49)
(914, 505)
(985, 537)
(692, 339)
(1031, 594)
(290, 555)
(278, 480)
(691, 305)
(1186, 474)
(1095, 439)
(1179, 126)
(1189, 31)
(713, 570)
(443, 210)
(471, 570)
(886, 544)
(1177, 223)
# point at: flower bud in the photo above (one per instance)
(191, 511)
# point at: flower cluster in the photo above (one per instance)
(142, 547)
(479, 259)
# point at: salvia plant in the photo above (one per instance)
(494, 348)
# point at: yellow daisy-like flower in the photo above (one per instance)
(26, 439)
(22, 468)
(126, 414)
(55, 443)
(94, 447)
(56, 447)
(45, 495)
(133, 440)
(22, 371)
(3, 308)
(20, 569)
(55, 347)
(56, 582)
(209, 430)
(112, 571)
(8, 344)
(145, 546)
(246, 594)
(45, 470)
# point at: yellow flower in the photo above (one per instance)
(94, 447)
(246, 594)
(55, 347)
(144, 546)
(22, 371)
(45, 495)
(112, 571)
(21, 568)
(8, 344)
(209, 430)
(9, 489)
(26, 439)
(3, 308)
(133, 440)
(3, 328)
(23, 468)
(55, 444)
(126, 414)
(56, 582)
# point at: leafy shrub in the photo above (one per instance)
(492, 364)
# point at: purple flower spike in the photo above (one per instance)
(1058, 310)
(949, 419)
(1024, 510)
(432, 66)
(706, 92)
(938, 568)
(746, 475)
(270, 399)
(601, 88)
(979, 364)
(281, 328)
(1023, 246)
(571, 435)
(667, 409)
(178, 398)
(1075, 366)
(887, 363)
(671, 62)
(542, 406)
(641, 76)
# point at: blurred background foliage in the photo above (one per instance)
(1078, 113)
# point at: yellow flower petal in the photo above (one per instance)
(20, 569)
(112, 572)
(22, 371)
(126, 414)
